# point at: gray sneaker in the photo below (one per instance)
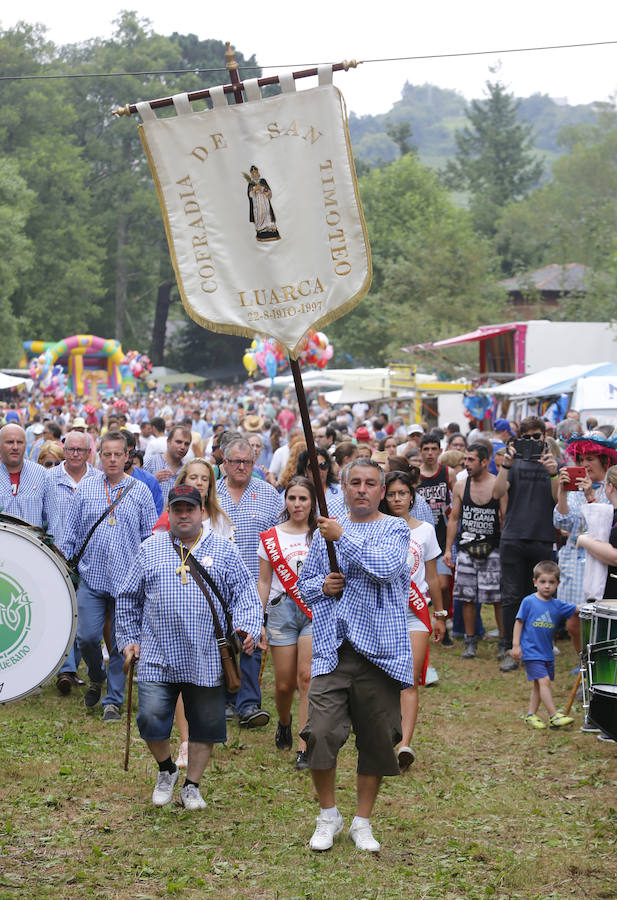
(111, 713)
(164, 788)
(471, 648)
(509, 664)
(191, 798)
(501, 649)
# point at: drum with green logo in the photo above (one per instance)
(602, 668)
(38, 611)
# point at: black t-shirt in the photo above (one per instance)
(529, 514)
(479, 522)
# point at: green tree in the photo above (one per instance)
(432, 274)
(61, 291)
(494, 160)
(16, 200)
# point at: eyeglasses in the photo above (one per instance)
(75, 450)
(51, 462)
(536, 436)
(239, 462)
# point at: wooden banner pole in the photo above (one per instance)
(232, 66)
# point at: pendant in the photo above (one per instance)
(112, 520)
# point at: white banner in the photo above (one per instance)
(262, 211)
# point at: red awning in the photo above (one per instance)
(480, 334)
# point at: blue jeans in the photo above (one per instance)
(204, 708)
(250, 691)
(92, 608)
(71, 663)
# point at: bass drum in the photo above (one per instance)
(38, 611)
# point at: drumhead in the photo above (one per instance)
(586, 611)
(606, 609)
(38, 612)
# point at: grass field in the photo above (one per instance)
(489, 809)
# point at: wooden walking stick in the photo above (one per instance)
(129, 665)
(573, 694)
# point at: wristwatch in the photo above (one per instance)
(440, 614)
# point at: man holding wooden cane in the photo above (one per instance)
(164, 617)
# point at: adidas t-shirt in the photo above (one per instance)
(540, 618)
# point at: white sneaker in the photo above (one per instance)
(191, 798)
(183, 755)
(362, 836)
(164, 788)
(325, 832)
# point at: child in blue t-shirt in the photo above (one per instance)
(536, 621)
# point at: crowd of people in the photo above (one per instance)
(185, 510)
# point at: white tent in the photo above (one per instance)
(550, 382)
(596, 395)
(9, 381)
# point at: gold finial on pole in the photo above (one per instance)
(122, 110)
(230, 57)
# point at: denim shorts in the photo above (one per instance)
(442, 568)
(539, 668)
(286, 623)
(204, 708)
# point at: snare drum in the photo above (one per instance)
(38, 611)
(604, 624)
(602, 668)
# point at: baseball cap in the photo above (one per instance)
(502, 425)
(37, 429)
(415, 429)
(362, 434)
(185, 493)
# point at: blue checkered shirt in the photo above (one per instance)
(59, 491)
(112, 548)
(260, 508)
(154, 464)
(370, 614)
(29, 503)
(571, 559)
(171, 621)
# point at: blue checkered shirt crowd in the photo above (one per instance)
(154, 464)
(260, 508)
(370, 614)
(29, 501)
(59, 492)
(171, 621)
(112, 548)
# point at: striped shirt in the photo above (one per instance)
(59, 491)
(29, 501)
(171, 621)
(112, 548)
(370, 614)
(260, 508)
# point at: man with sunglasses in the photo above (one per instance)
(22, 482)
(60, 488)
(528, 533)
(253, 506)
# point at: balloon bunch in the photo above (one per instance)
(138, 364)
(48, 378)
(316, 350)
(267, 355)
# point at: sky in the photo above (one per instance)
(284, 34)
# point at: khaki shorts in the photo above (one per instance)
(356, 694)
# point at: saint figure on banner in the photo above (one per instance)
(261, 213)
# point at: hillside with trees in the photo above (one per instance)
(456, 196)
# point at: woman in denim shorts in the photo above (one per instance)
(281, 552)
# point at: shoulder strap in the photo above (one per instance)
(467, 492)
(75, 560)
